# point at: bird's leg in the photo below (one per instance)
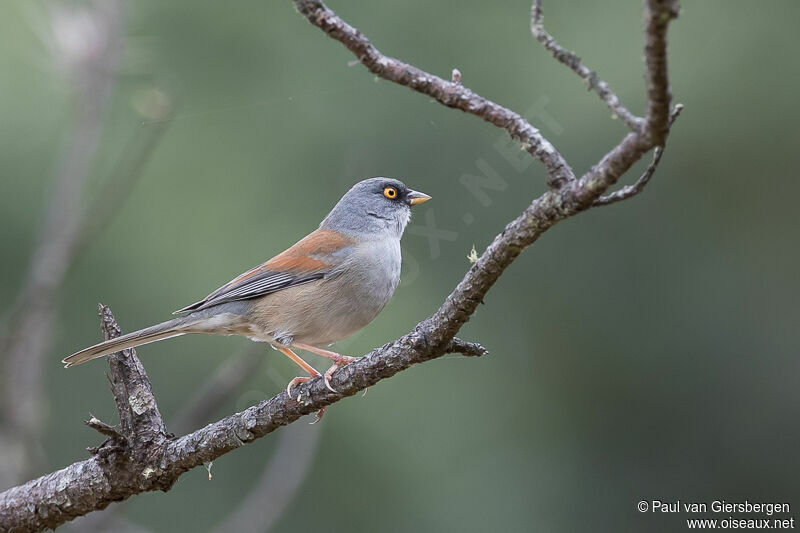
(337, 358)
(312, 372)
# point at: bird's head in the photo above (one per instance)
(374, 207)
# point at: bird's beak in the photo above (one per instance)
(416, 197)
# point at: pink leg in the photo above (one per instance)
(312, 373)
(337, 358)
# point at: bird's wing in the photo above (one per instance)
(312, 258)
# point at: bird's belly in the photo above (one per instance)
(340, 316)
(326, 311)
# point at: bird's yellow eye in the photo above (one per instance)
(390, 193)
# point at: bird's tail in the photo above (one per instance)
(165, 330)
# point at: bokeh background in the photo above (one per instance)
(643, 351)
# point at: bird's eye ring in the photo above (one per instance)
(390, 193)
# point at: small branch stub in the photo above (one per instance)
(105, 429)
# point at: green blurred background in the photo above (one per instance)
(643, 351)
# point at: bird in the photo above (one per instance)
(327, 286)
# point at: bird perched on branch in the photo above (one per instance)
(326, 287)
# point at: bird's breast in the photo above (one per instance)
(371, 274)
(357, 292)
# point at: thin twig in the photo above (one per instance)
(632, 190)
(469, 349)
(638, 186)
(105, 429)
(449, 93)
(562, 55)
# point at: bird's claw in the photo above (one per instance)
(327, 378)
(296, 381)
(338, 361)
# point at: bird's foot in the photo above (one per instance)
(337, 358)
(342, 360)
(338, 361)
(302, 379)
(296, 381)
(312, 372)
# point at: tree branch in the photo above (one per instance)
(632, 190)
(574, 62)
(449, 93)
(139, 417)
(154, 462)
(658, 15)
(228, 378)
(91, 484)
(106, 429)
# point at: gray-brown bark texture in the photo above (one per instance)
(143, 457)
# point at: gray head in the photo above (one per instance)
(375, 207)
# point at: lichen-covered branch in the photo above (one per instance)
(139, 417)
(156, 463)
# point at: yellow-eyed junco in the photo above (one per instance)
(324, 288)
